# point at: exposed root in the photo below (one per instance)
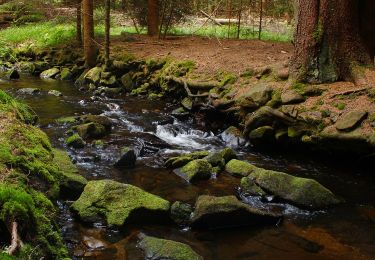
(16, 242)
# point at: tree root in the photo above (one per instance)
(195, 85)
(16, 242)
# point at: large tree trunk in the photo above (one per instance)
(79, 22)
(107, 30)
(153, 17)
(88, 33)
(328, 41)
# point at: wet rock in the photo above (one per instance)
(228, 154)
(128, 158)
(119, 204)
(110, 82)
(101, 120)
(290, 110)
(156, 248)
(233, 137)
(10, 74)
(50, 73)
(180, 212)
(248, 186)
(350, 120)
(216, 160)
(264, 134)
(66, 74)
(55, 93)
(239, 168)
(283, 74)
(187, 103)
(91, 131)
(196, 170)
(75, 141)
(67, 120)
(220, 212)
(291, 97)
(179, 161)
(256, 97)
(300, 191)
(72, 183)
(127, 81)
(112, 92)
(93, 75)
(180, 113)
(29, 91)
(265, 116)
(311, 117)
(93, 243)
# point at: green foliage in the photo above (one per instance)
(299, 87)
(340, 106)
(21, 110)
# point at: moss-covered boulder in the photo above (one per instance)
(91, 131)
(233, 137)
(187, 103)
(179, 161)
(261, 135)
(10, 74)
(239, 168)
(127, 159)
(75, 141)
(215, 159)
(219, 212)
(291, 97)
(119, 204)
(67, 120)
(156, 248)
(300, 191)
(249, 187)
(180, 212)
(66, 74)
(72, 183)
(93, 76)
(101, 120)
(196, 170)
(55, 93)
(50, 73)
(228, 154)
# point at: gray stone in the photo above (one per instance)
(350, 120)
(29, 91)
(55, 93)
(291, 97)
(50, 73)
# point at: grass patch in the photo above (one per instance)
(21, 110)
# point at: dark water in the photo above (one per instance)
(345, 232)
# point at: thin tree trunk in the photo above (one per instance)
(239, 20)
(260, 19)
(79, 22)
(107, 30)
(153, 17)
(88, 33)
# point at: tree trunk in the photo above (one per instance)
(88, 33)
(153, 17)
(79, 22)
(107, 30)
(328, 41)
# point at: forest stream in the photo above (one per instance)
(346, 230)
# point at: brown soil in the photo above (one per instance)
(210, 54)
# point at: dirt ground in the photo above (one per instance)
(210, 54)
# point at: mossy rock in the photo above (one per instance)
(67, 120)
(216, 160)
(187, 103)
(300, 191)
(179, 161)
(119, 204)
(72, 183)
(93, 75)
(248, 186)
(66, 74)
(196, 170)
(91, 131)
(50, 73)
(102, 120)
(351, 120)
(75, 141)
(233, 137)
(180, 212)
(156, 248)
(264, 134)
(127, 81)
(228, 154)
(220, 212)
(239, 168)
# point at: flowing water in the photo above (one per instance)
(345, 232)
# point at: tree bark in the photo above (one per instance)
(16, 242)
(107, 30)
(88, 33)
(328, 42)
(153, 17)
(79, 22)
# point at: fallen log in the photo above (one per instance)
(195, 85)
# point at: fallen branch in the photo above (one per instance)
(16, 242)
(211, 18)
(348, 92)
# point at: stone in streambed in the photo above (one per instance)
(101, 120)
(179, 161)
(233, 137)
(10, 74)
(219, 212)
(75, 141)
(66, 74)
(250, 187)
(187, 103)
(239, 168)
(55, 93)
(93, 75)
(351, 120)
(264, 134)
(72, 183)
(127, 159)
(156, 248)
(300, 191)
(195, 170)
(50, 73)
(216, 160)
(29, 91)
(228, 154)
(119, 204)
(291, 97)
(180, 212)
(91, 131)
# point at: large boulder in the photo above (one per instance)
(119, 203)
(127, 159)
(350, 120)
(259, 95)
(101, 120)
(91, 131)
(29, 91)
(10, 74)
(93, 76)
(72, 183)
(75, 141)
(239, 168)
(300, 191)
(156, 248)
(218, 212)
(195, 170)
(50, 73)
(233, 137)
(179, 161)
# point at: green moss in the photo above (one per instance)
(179, 161)
(239, 168)
(228, 154)
(299, 87)
(116, 202)
(248, 73)
(75, 141)
(67, 120)
(275, 101)
(166, 249)
(22, 111)
(340, 106)
(226, 78)
(318, 33)
(196, 170)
